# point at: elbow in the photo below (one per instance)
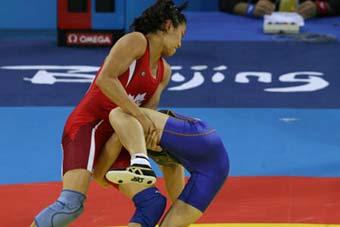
(103, 79)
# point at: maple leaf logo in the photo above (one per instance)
(138, 99)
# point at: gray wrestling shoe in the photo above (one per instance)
(136, 173)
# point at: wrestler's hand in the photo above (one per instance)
(150, 130)
(152, 141)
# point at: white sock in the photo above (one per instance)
(140, 158)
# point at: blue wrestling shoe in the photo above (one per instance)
(136, 173)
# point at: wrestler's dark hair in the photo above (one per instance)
(154, 17)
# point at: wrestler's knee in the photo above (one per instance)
(150, 205)
(66, 209)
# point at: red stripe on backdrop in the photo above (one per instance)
(241, 200)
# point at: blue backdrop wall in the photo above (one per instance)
(33, 14)
(41, 14)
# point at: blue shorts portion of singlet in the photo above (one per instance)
(200, 150)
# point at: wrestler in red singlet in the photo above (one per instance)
(133, 68)
(87, 128)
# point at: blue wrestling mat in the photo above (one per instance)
(260, 142)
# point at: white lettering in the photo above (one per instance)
(94, 39)
(263, 77)
(314, 82)
(218, 77)
(308, 81)
(196, 81)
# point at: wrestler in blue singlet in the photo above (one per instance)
(200, 150)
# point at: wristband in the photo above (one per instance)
(250, 10)
(322, 8)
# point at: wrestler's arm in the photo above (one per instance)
(174, 180)
(127, 49)
(153, 104)
(154, 100)
(108, 156)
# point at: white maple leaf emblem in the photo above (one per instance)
(138, 99)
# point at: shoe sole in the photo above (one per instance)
(125, 177)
